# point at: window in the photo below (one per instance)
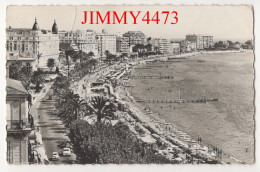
(22, 47)
(15, 47)
(9, 156)
(11, 47)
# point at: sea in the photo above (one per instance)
(228, 77)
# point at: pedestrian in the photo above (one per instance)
(39, 159)
(39, 116)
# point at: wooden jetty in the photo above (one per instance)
(152, 77)
(178, 101)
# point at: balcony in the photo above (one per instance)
(18, 125)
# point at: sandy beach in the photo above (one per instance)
(228, 123)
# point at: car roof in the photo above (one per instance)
(54, 152)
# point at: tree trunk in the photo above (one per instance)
(67, 58)
(68, 69)
(98, 118)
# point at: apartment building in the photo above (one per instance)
(202, 41)
(19, 122)
(162, 44)
(106, 42)
(122, 44)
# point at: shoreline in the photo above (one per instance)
(226, 158)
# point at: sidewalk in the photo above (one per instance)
(34, 111)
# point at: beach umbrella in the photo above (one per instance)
(213, 154)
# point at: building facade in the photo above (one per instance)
(208, 41)
(163, 45)
(122, 44)
(90, 41)
(106, 42)
(175, 48)
(202, 41)
(187, 46)
(135, 37)
(19, 123)
(32, 45)
(85, 40)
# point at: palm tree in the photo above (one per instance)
(39, 55)
(108, 56)
(123, 55)
(61, 84)
(51, 63)
(71, 107)
(84, 68)
(102, 107)
(25, 75)
(37, 79)
(27, 69)
(68, 53)
(91, 54)
(14, 70)
(107, 53)
(92, 62)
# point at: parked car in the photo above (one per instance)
(66, 152)
(47, 79)
(55, 156)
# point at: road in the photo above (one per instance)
(52, 131)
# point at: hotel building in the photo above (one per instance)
(32, 45)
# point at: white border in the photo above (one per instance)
(201, 168)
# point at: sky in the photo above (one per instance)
(223, 22)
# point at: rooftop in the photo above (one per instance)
(15, 87)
